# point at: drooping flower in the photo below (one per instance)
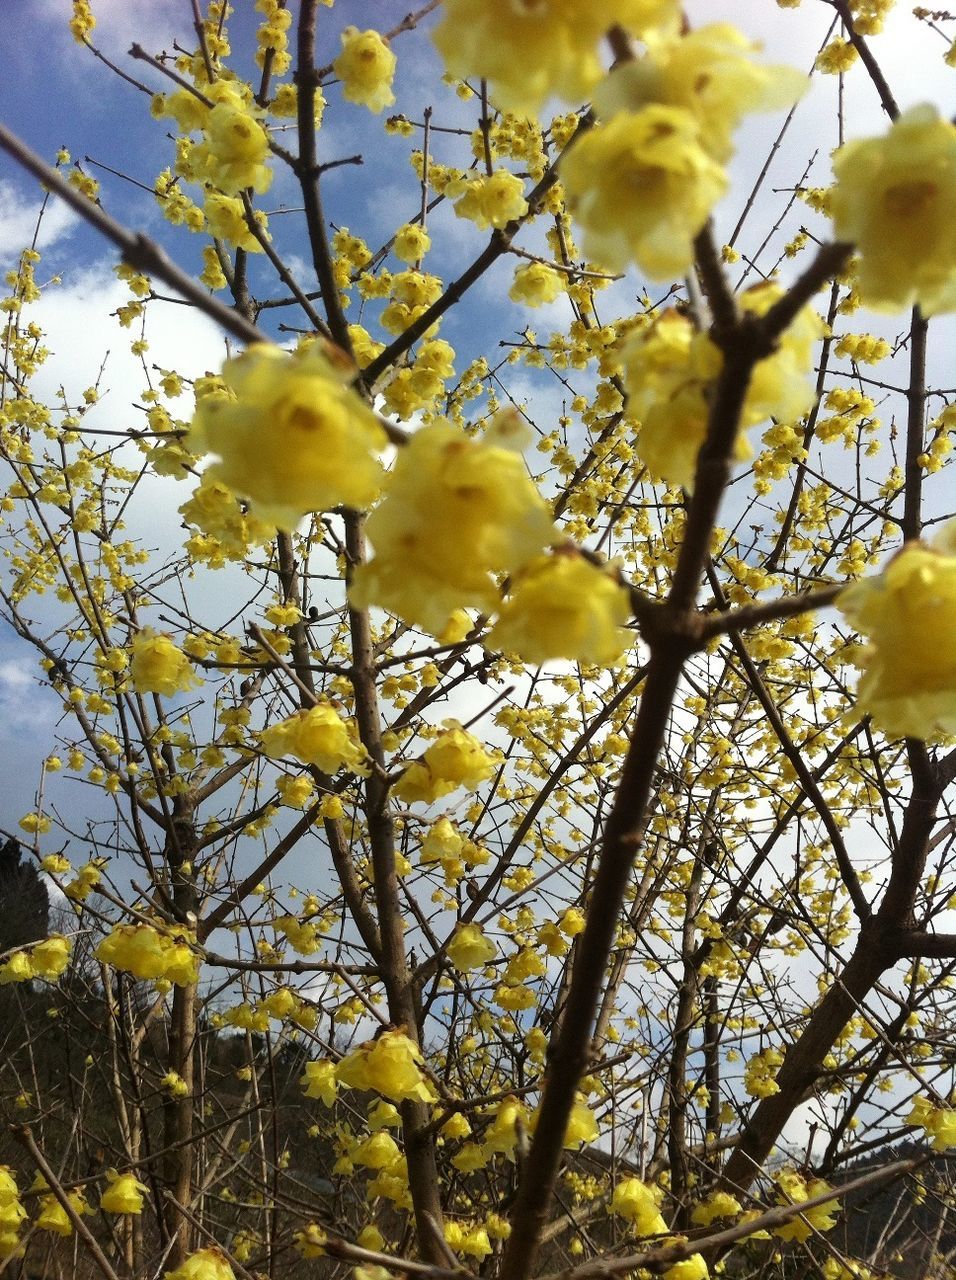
(124, 1193)
(692, 1268)
(794, 1188)
(641, 187)
(147, 953)
(366, 67)
(391, 1065)
(938, 1122)
(470, 949)
(456, 510)
(317, 736)
(534, 48)
(535, 283)
(710, 73)
(563, 606)
(908, 614)
(455, 759)
(319, 1081)
(491, 200)
(158, 666)
(640, 1205)
(206, 1264)
(412, 242)
(234, 150)
(895, 200)
(290, 433)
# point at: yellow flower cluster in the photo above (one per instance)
(147, 953)
(227, 532)
(535, 283)
(124, 1193)
(760, 1073)
(470, 949)
(670, 368)
(12, 1213)
(938, 1122)
(290, 433)
(47, 959)
(390, 1065)
(226, 220)
(455, 759)
(640, 1205)
(908, 614)
(489, 201)
(366, 67)
(318, 736)
(456, 511)
(412, 242)
(795, 1189)
(235, 147)
(206, 1264)
(563, 606)
(319, 1081)
(530, 51)
(52, 1216)
(895, 200)
(158, 666)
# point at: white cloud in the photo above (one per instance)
(18, 220)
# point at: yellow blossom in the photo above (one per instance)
(146, 953)
(319, 1081)
(510, 1118)
(641, 187)
(489, 201)
(455, 759)
(311, 1241)
(390, 1065)
(795, 1189)
(234, 150)
(378, 1151)
(49, 958)
(470, 949)
(290, 433)
(535, 283)
(456, 510)
(412, 242)
(207, 1264)
(563, 606)
(124, 1193)
(895, 199)
(53, 1217)
(530, 51)
(158, 666)
(719, 1205)
(226, 220)
(692, 1268)
(640, 1205)
(318, 736)
(908, 614)
(707, 72)
(366, 67)
(939, 1123)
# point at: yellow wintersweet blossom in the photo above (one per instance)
(366, 67)
(47, 959)
(708, 72)
(908, 614)
(794, 1189)
(456, 510)
(317, 736)
(528, 51)
(207, 1264)
(640, 1205)
(290, 433)
(235, 147)
(226, 220)
(319, 1081)
(124, 1193)
(895, 200)
(641, 186)
(582, 1125)
(719, 1205)
(489, 201)
(470, 949)
(158, 666)
(412, 242)
(563, 606)
(12, 1213)
(939, 1123)
(692, 1268)
(378, 1151)
(53, 1217)
(535, 283)
(391, 1065)
(144, 952)
(455, 759)
(510, 1119)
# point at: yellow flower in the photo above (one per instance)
(378, 1151)
(319, 1081)
(456, 510)
(794, 1189)
(158, 666)
(530, 50)
(707, 72)
(470, 949)
(412, 242)
(489, 201)
(455, 759)
(53, 1217)
(207, 1264)
(12, 1213)
(582, 1126)
(895, 199)
(562, 606)
(226, 220)
(233, 153)
(16, 968)
(640, 1205)
(908, 613)
(390, 1065)
(318, 736)
(49, 958)
(291, 435)
(510, 1118)
(692, 1268)
(124, 1193)
(536, 282)
(311, 1241)
(146, 953)
(719, 1205)
(939, 1123)
(641, 187)
(366, 67)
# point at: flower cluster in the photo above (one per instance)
(366, 67)
(157, 666)
(47, 959)
(491, 201)
(470, 949)
(938, 1122)
(318, 736)
(148, 953)
(908, 682)
(12, 1213)
(290, 433)
(206, 1264)
(640, 1205)
(455, 759)
(794, 1188)
(390, 1065)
